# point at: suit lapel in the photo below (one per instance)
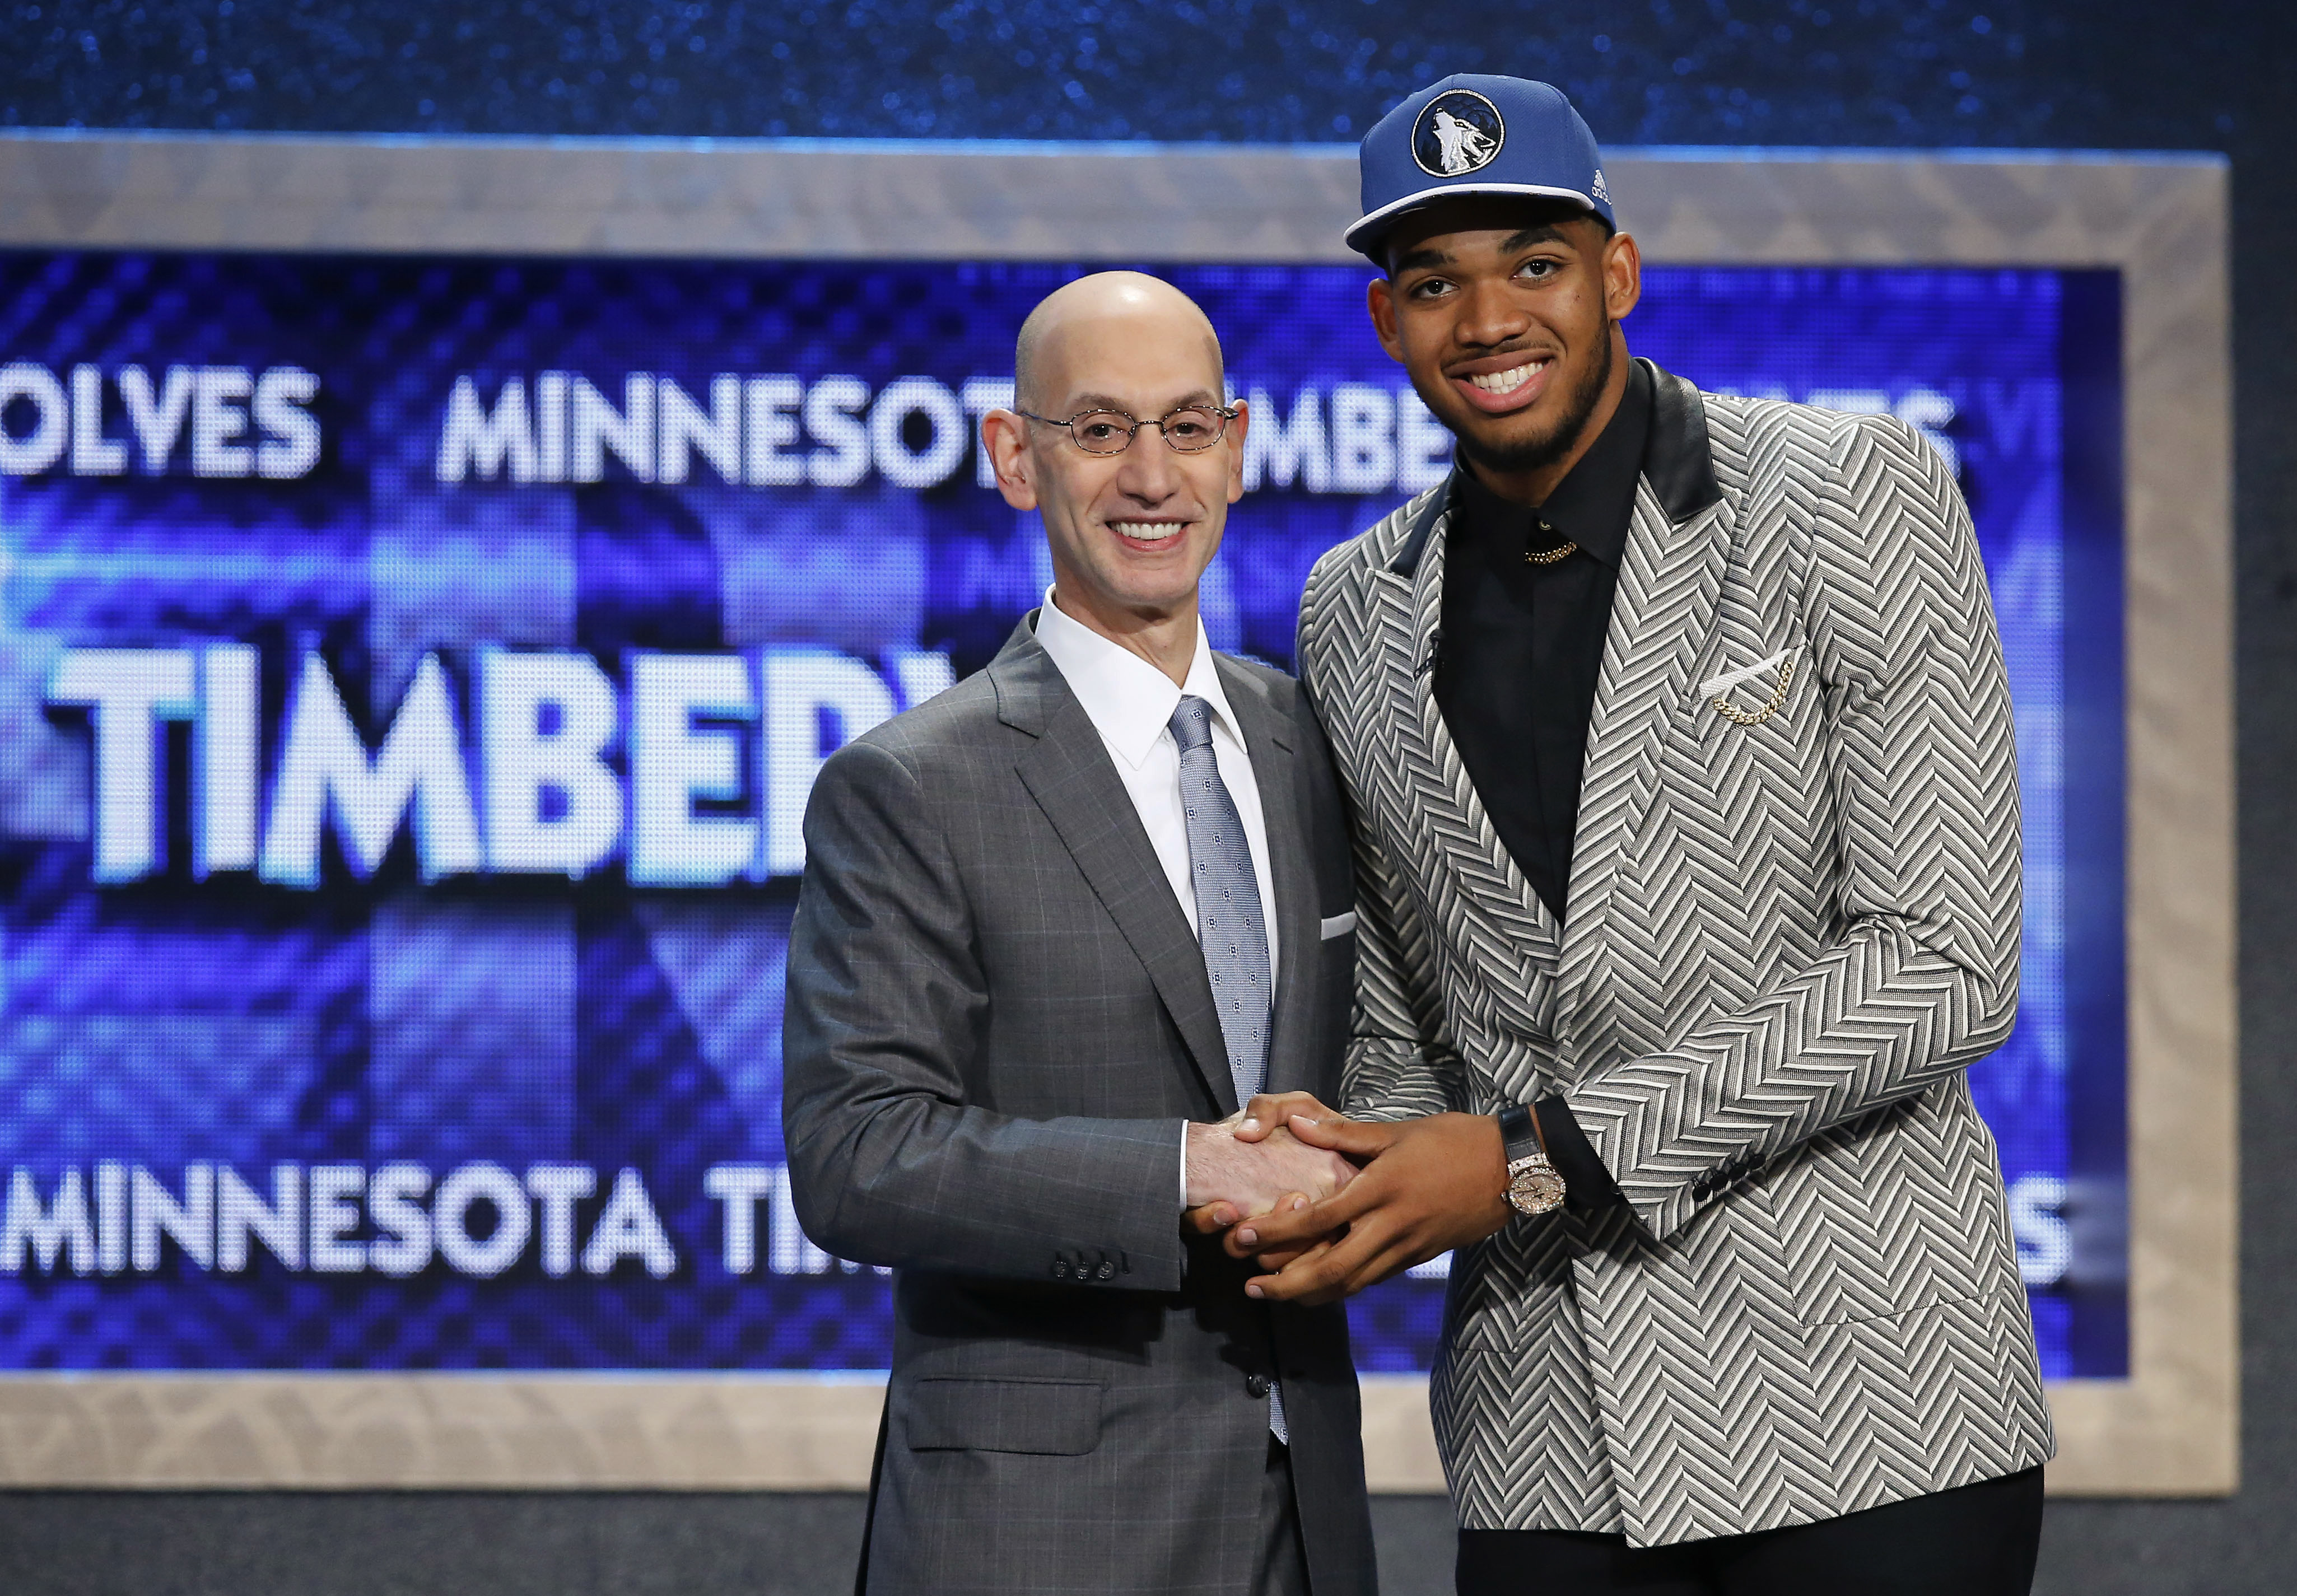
(1269, 741)
(1068, 772)
(1670, 578)
(1478, 894)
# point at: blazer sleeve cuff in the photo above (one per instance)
(1588, 1185)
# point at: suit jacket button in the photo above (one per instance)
(1256, 1384)
(1108, 1270)
(1060, 1268)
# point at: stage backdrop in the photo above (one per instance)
(419, 651)
(415, 674)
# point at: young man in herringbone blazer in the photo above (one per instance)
(1678, 742)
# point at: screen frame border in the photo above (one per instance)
(2161, 221)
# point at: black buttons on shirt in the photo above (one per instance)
(1257, 1385)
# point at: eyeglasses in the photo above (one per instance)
(1190, 430)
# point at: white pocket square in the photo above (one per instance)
(1333, 925)
(1729, 679)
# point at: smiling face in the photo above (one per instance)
(1129, 534)
(1505, 314)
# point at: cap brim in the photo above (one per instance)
(1368, 230)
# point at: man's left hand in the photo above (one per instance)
(1427, 1186)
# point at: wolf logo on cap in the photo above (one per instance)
(1464, 148)
(1459, 132)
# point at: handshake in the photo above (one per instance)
(1327, 1205)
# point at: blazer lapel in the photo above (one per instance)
(1480, 898)
(1670, 578)
(1269, 741)
(1068, 771)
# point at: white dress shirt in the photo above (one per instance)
(1130, 704)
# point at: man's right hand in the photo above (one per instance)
(1267, 1113)
(1248, 1177)
(1427, 1186)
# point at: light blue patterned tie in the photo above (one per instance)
(1229, 926)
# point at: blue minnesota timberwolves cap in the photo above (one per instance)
(1473, 133)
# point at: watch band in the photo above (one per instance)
(1520, 1131)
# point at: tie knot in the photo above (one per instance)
(1191, 723)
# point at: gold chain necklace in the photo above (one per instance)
(1731, 712)
(1548, 557)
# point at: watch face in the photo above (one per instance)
(1535, 1189)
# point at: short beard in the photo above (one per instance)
(1534, 454)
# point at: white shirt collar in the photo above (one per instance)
(1129, 700)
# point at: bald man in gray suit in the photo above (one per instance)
(1056, 925)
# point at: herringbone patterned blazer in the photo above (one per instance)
(1786, 941)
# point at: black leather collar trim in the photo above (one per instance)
(1678, 463)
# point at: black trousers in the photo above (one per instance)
(1975, 1541)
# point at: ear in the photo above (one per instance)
(1623, 276)
(1379, 298)
(1236, 431)
(1005, 437)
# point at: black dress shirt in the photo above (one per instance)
(1516, 669)
(1522, 643)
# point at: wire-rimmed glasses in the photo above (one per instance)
(1190, 429)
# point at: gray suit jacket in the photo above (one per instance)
(996, 1019)
(1787, 940)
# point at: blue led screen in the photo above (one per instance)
(415, 668)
